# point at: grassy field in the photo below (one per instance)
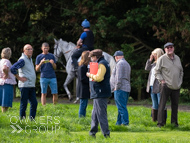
(60, 123)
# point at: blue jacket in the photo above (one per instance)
(101, 89)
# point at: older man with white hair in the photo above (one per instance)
(26, 76)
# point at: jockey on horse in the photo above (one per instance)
(85, 43)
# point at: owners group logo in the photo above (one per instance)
(44, 124)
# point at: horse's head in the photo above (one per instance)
(63, 47)
(57, 52)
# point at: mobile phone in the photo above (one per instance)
(46, 61)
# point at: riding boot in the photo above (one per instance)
(75, 68)
(154, 115)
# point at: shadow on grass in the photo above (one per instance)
(146, 128)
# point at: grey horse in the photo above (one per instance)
(65, 48)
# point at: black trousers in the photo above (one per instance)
(76, 55)
(174, 96)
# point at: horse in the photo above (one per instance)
(65, 48)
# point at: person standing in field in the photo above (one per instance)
(7, 80)
(26, 76)
(83, 91)
(46, 64)
(100, 91)
(169, 73)
(120, 84)
(84, 43)
(153, 85)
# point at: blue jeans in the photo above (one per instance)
(121, 98)
(155, 99)
(28, 93)
(82, 108)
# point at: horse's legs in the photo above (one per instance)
(68, 80)
(77, 98)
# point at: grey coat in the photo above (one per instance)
(120, 78)
(156, 84)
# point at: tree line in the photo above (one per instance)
(134, 26)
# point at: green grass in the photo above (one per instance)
(60, 123)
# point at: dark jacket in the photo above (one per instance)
(101, 89)
(156, 84)
(89, 40)
(83, 90)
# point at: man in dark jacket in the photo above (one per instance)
(100, 91)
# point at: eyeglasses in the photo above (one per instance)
(169, 47)
(29, 49)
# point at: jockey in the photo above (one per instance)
(85, 42)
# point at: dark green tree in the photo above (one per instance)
(134, 26)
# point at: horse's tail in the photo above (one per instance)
(112, 63)
(110, 60)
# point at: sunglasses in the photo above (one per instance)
(169, 47)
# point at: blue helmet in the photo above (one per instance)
(85, 24)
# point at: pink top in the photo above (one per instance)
(11, 77)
